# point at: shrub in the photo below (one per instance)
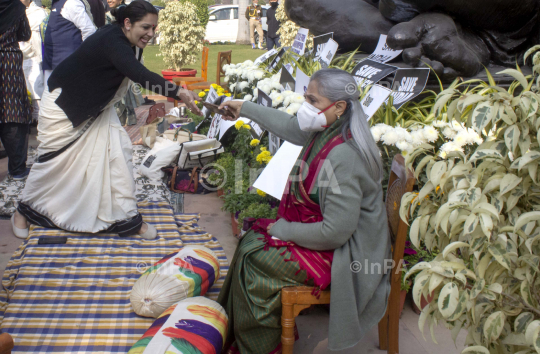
(181, 34)
(202, 10)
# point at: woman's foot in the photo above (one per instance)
(19, 224)
(147, 231)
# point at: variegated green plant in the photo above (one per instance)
(481, 209)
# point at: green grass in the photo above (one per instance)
(240, 53)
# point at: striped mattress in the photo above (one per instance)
(74, 298)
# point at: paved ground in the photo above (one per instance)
(313, 327)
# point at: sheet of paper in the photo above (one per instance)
(286, 79)
(274, 63)
(225, 125)
(302, 82)
(374, 99)
(299, 44)
(216, 122)
(319, 42)
(408, 83)
(368, 72)
(273, 178)
(383, 53)
(328, 53)
(265, 56)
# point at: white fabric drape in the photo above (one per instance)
(89, 186)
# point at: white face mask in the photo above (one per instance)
(311, 119)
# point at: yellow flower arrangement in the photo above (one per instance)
(254, 142)
(196, 102)
(261, 193)
(214, 86)
(228, 94)
(206, 90)
(246, 126)
(202, 94)
(238, 125)
(263, 148)
(264, 157)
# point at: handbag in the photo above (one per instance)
(156, 111)
(198, 153)
(188, 181)
(182, 135)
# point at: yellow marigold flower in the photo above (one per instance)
(263, 148)
(254, 142)
(196, 102)
(261, 193)
(246, 126)
(202, 94)
(228, 94)
(238, 124)
(214, 86)
(206, 90)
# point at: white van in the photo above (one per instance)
(223, 23)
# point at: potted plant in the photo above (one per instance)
(181, 38)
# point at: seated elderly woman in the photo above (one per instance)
(331, 216)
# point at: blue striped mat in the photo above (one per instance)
(74, 298)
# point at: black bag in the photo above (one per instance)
(186, 181)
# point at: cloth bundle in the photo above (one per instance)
(196, 325)
(187, 273)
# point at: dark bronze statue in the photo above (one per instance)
(455, 37)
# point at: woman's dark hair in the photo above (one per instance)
(134, 11)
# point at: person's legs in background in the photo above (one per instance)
(271, 42)
(252, 31)
(258, 25)
(14, 137)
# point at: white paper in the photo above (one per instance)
(302, 82)
(383, 53)
(256, 128)
(225, 125)
(289, 68)
(274, 177)
(210, 98)
(216, 122)
(299, 44)
(374, 99)
(328, 52)
(265, 56)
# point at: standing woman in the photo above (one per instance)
(83, 178)
(15, 107)
(125, 108)
(331, 215)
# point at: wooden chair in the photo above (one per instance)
(295, 299)
(204, 71)
(6, 343)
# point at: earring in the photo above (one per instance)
(338, 117)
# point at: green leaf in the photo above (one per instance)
(494, 326)
(509, 182)
(477, 349)
(517, 75)
(526, 293)
(477, 288)
(416, 268)
(522, 321)
(511, 137)
(482, 115)
(528, 158)
(484, 154)
(498, 251)
(461, 306)
(530, 331)
(448, 299)
(438, 169)
(452, 247)
(526, 218)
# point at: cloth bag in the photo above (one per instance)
(162, 154)
(195, 325)
(199, 153)
(187, 181)
(188, 272)
(182, 135)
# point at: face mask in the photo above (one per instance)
(312, 119)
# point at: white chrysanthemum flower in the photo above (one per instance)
(390, 137)
(418, 137)
(277, 85)
(376, 132)
(448, 147)
(242, 85)
(403, 145)
(251, 76)
(266, 89)
(457, 126)
(383, 127)
(403, 134)
(449, 133)
(430, 133)
(226, 79)
(294, 107)
(258, 74)
(254, 99)
(247, 63)
(282, 109)
(287, 93)
(226, 66)
(248, 97)
(273, 94)
(468, 137)
(298, 98)
(277, 100)
(233, 86)
(287, 100)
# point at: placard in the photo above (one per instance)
(210, 98)
(368, 72)
(216, 123)
(289, 68)
(383, 53)
(319, 42)
(373, 100)
(328, 53)
(265, 56)
(302, 82)
(286, 80)
(408, 83)
(274, 177)
(273, 140)
(299, 44)
(274, 63)
(225, 125)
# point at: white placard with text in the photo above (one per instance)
(374, 99)
(383, 53)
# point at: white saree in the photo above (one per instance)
(89, 186)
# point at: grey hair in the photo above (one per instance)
(339, 85)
